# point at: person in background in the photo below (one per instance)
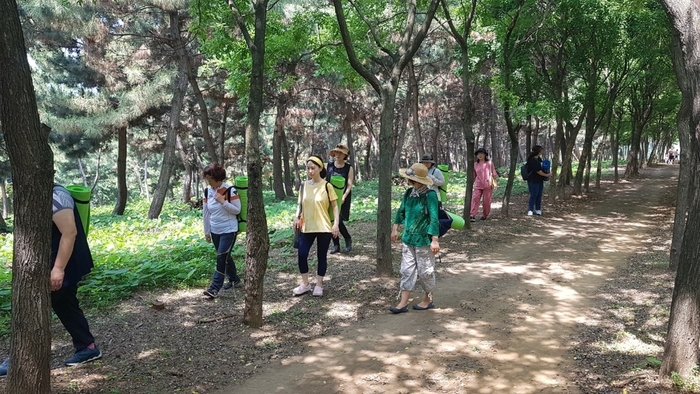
(316, 196)
(221, 208)
(71, 260)
(535, 181)
(484, 171)
(340, 166)
(434, 174)
(418, 213)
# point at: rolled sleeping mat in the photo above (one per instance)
(457, 221)
(338, 183)
(81, 195)
(445, 169)
(241, 184)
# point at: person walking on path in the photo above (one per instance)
(340, 166)
(316, 196)
(485, 178)
(535, 180)
(418, 213)
(71, 260)
(434, 174)
(221, 208)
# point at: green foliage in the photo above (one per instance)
(654, 362)
(690, 384)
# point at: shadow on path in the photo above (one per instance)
(504, 318)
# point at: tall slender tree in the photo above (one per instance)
(392, 59)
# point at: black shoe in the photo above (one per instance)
(335, 249)
(396, 310)
(483, 218)
(472, 218)
(237, 284)
(348, 245)
(211, 293)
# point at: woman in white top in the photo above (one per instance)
(221, 208)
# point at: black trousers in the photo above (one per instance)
(66, 306)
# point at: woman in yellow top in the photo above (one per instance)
(316, 196)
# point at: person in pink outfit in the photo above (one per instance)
(484, 171)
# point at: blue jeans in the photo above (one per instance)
(225, 267)
(305, 242)
(535, 202)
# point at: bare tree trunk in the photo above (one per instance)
(222, 136)
(288, 182)
(5, 200)
(683, 192)
(32, 174)
(277, 141)
(187, 182)
(203, 109)
(681, 350)
(122, 191)
(179, 91)
(257, 240)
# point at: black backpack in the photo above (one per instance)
(525, 171)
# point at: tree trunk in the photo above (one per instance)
(179, 91)
(288, 181)
(384, 217)
(5, 199)
(32, 175)
(681, 350)
(257, 240)
(184, 157)
(122, 191)
(277, 141)
(203, 109)
(683, 192)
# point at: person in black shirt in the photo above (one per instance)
(341, 167)
(535, 180)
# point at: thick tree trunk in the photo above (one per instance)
(32, 175)
(681, 351)
(121, 172)
(179, 91)
(683, 192)
(257, 240)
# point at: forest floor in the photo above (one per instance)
(575, 301)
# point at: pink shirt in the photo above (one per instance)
(483, 171)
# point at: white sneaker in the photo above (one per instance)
(529, 213)
(538, 212)
(301, 289)
(318, 291)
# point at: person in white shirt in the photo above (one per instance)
(221, 207)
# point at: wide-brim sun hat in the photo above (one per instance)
(481, 150)
(418, 173)
(427, 159)
(340, 148)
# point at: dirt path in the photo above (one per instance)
(504, 319)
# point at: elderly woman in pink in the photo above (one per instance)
(484, 172)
